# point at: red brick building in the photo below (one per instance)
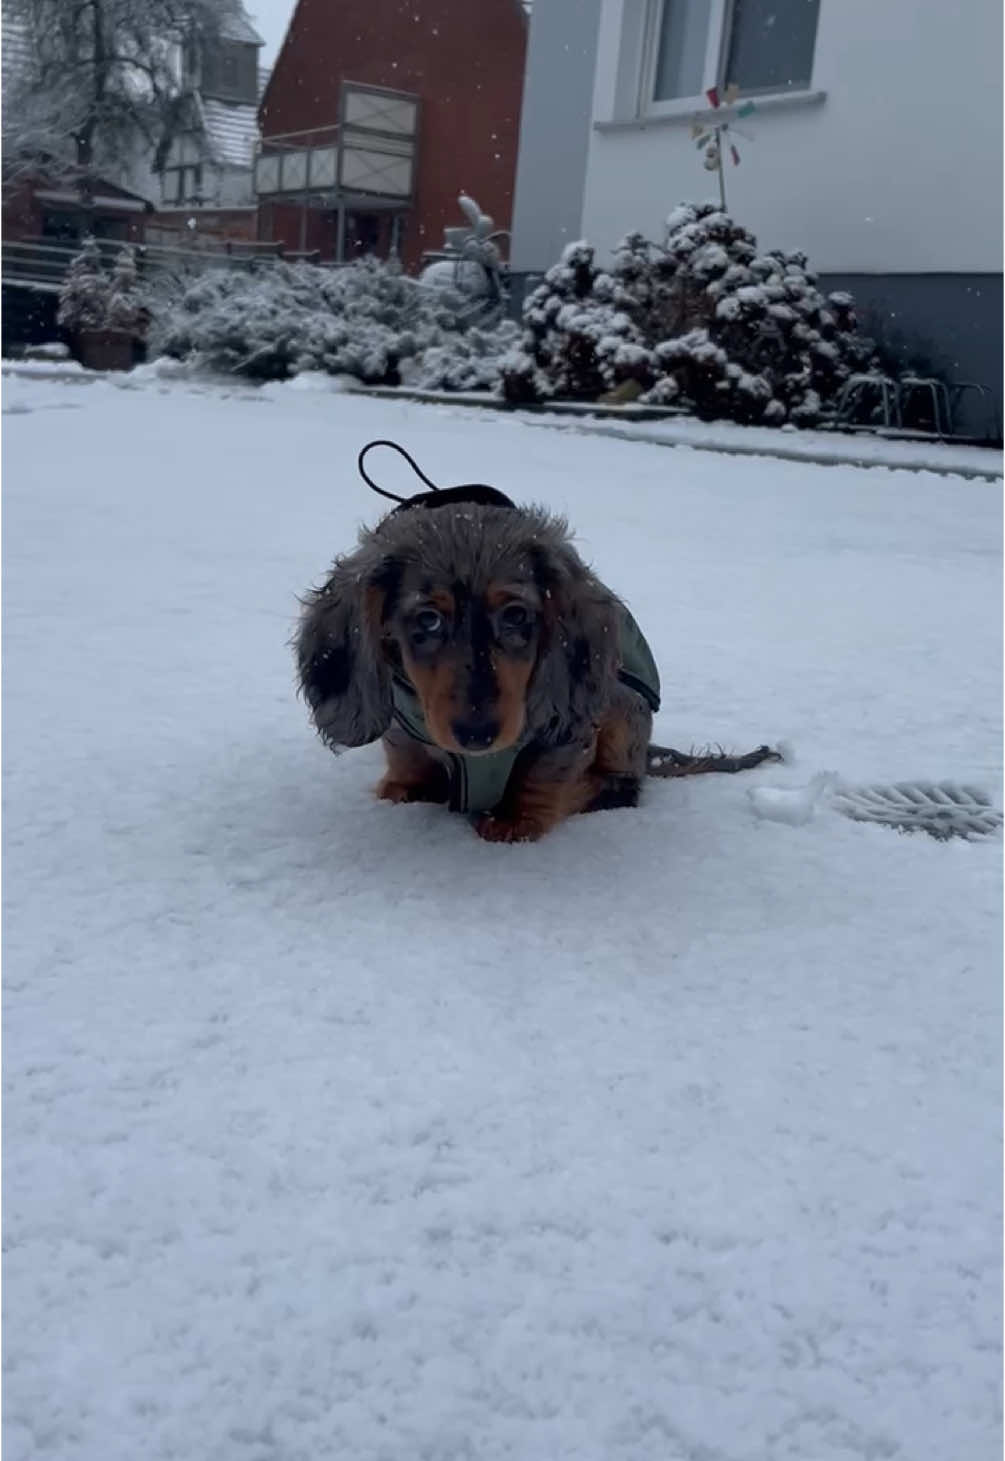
(379, 112)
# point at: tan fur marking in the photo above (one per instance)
(538, 807)
(499, 594)
(614, 738)
(412, 774)
(512, 677)
(435, 687)
(442, 599)
(373, 609)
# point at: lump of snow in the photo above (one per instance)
(51, 350)
(794, 806)
(677, 217)
(710, 259)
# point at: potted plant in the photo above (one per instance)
(102, 315)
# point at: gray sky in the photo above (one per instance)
(270, 18)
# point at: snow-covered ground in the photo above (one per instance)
(788, 442)
(629, 422)
(332, 1131)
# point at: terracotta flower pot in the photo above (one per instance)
(105, 349)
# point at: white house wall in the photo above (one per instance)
(897, 170)
(554, 131)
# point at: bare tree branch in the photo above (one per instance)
(92, 77)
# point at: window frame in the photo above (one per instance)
(229, 72)
(720, 30)
(175, 191)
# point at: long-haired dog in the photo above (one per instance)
(493, 663)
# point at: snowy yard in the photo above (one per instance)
(334, 1132)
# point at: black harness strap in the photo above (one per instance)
(476, 492)
(641, 688)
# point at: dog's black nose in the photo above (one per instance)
(476, 733)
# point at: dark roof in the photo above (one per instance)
(239, 28)
(69, 179)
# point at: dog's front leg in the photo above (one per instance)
(413, 774)
(547, 785)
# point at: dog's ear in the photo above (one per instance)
(344, 676)
(579, 651)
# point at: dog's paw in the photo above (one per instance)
(502, 829)
(389, 790)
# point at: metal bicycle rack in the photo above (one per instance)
(870, 400)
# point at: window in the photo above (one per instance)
(230, 71)
(680, 49)
(771, 45)
(61, 225)
(760, 46)
(182, 184)
(189, 64)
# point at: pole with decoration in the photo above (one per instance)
(715, 137)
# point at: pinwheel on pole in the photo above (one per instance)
(713, 137)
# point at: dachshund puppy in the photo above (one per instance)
(504, 677)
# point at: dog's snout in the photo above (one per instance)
(476, 732)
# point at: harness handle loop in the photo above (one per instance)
(401, 452)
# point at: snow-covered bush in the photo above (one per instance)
(704, 320)
(463, 362)
(83, 297)
(277, 320)
(579, 339)
(91, 299)
(125, 309)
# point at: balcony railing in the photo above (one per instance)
(39, 263)
(367, 155)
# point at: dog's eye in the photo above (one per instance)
(428, 621)
(514, 616)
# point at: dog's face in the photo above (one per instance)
(487, 611)
(469, 648)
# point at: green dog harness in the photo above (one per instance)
(477, 783)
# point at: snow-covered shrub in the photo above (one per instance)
(704, 320)
(579, 339)
(125, 309)
(92, 300)
(471, 361)
(277, 320)
(83, 297)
